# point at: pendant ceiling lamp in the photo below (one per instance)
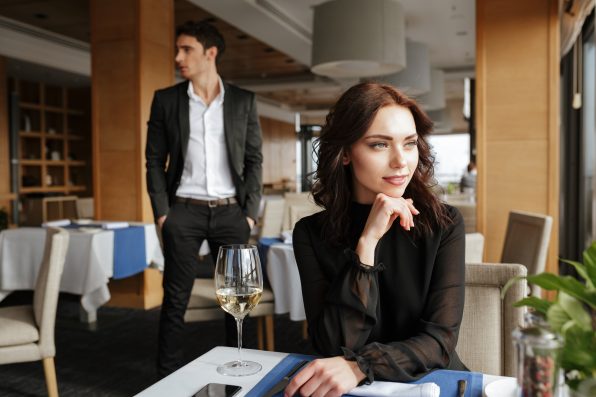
(415, 78)
(435, 98)
(358, 38)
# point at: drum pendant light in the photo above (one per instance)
(415, 78)
(435, 99)
(358, 38)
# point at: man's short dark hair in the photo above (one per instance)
(205, 33)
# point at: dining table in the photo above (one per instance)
(94, 256)
(203, 370)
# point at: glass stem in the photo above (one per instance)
(239, 327)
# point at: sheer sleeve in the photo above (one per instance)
(342, 310)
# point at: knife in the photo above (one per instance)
(281, 384)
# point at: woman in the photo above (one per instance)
(382, 268)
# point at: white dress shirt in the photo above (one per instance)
(206, 174)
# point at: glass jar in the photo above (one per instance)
(538, 373)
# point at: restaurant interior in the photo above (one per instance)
(510, 86)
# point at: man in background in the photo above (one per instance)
(203, 174)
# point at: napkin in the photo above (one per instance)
(286, 236)
(56, 223)
(382, 389)
(114, 225)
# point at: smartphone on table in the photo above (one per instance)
(217, 390)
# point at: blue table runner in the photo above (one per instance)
(129, 251)
(446, 379)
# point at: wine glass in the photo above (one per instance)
(238, 287)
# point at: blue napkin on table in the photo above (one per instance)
(277, 373)
(445, 379)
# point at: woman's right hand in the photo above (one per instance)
(385, 210)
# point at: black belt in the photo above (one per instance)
(208, 203)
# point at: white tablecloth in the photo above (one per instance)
(189, 379)
(88, 267)
(284, 278)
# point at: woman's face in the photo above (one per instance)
(384, 159)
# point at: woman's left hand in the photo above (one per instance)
(329, 377)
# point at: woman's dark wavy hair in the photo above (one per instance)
(346, 123)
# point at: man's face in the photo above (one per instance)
(191, 58)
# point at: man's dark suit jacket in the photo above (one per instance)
(167, 141)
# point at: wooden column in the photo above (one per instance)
(5, 195)
(132, 45)
(517, 102)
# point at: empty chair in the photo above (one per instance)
(298, 212)
(27, 332)
(468, 212)
(474, 247)
(203, 306)
(271, 222)
(485, 343)
(85, 208)
(526, 241)
(295, 199)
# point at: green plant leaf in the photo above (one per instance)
(509, 283)
(567, 284)
(538, 304)
(578, 352)
(581, 270)
(576, 310)
(590, 263)
(557, 317)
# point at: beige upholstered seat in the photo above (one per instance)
(85, 208)
(485, 343)
(474, 247)
(203, 306)
(271, 222)
(526, 242)
(468, 212)
(303, 200)
(27, 332)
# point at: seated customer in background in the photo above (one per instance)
(468, 180)
(382, 268)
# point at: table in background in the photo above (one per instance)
(193, 376)
(88, 266)
(283, 275)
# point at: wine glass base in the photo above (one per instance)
(239, 368)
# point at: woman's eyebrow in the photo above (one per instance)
(389, 137)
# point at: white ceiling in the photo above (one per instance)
(447, 27)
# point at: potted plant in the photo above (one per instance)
(572, 315)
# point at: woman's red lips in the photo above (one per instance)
(396, 180)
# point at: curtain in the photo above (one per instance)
(572, 14)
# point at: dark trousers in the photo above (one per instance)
(184, 230)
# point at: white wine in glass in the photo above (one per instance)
(238, 287)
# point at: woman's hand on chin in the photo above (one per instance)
(385, 210)
(330, 377)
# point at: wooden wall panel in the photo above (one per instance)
(279, 151)
(517, 116)
(4, 141)
(132, 56)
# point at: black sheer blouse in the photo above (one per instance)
(398, 319)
